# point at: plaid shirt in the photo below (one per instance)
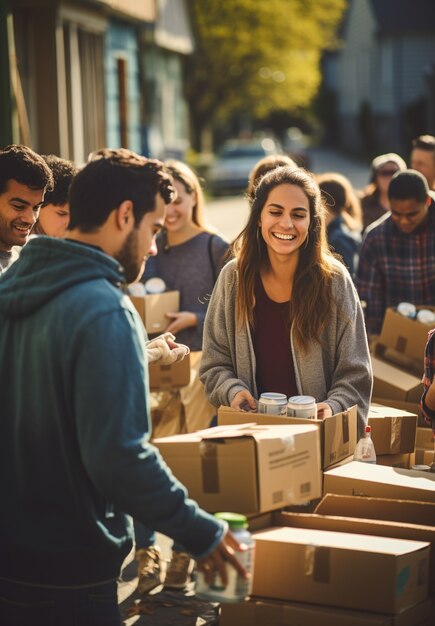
(428, 376)
(395, 267)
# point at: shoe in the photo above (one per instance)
(179, 571)
(149, 568)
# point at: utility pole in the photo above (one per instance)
(6, 136)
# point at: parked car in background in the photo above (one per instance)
(229, 172)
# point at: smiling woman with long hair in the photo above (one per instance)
(284, 315)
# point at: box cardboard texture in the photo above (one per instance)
(246, 468)
(337, 569)
(393, 431)
(265, 612)
(404, 335)
(396, 460)
(165, 377)
(153, 308)
(364, 479)
(403, 519)
(391, 383)
(338, 433)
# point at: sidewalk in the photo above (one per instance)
(161, 607)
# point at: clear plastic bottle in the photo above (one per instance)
(365, 450)
(238, 588)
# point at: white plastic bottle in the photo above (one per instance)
(365, 450)
(238, 588)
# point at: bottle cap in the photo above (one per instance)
(368, 429)
(300, 400)
(234, 520)
(155, 285)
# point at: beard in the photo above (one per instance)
(130, 259)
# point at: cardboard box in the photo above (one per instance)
(338, 433)
(423, 457)
(341, 569)
(424, 438)
(246, 468)
(364, 479)
(404, 335)
(153, 308)
(402, 519)
(391, 383)
(174, 376)
(265, 612)
(394, 460)
(393, 431)
(410, 407)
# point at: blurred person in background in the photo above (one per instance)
(338, 196)
(24, 179)
(423, 158)
(285, 316)
(189, 260)
(374, 198)
(265, 165)
(53, 217)
(397, 257)
(428, 397)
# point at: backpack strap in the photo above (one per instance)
(210, 256)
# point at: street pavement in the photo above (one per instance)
(229, 213)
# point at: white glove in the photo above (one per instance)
(164, 350)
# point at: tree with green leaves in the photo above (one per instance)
(253, 58)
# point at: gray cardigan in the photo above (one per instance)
(337, 370)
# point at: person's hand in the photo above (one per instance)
(244, 401)
(180, 321)
(164, 350)
(323, 410)
(217, 560)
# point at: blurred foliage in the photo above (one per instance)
(253, 58)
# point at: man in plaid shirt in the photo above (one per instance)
(428, 398)
(397, 258)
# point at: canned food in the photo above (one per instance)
(303, 407)
(272, 403)
(426, 316)
(407, 309)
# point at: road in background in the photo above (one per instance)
(229, 213)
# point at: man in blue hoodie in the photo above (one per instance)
(75, 456)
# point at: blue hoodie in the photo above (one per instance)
(75, 456)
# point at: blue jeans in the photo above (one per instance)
(49, 606)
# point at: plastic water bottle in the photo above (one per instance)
(238, 588)
(365, 450)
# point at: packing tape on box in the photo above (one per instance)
(209, 466)
(317, 563)
(345, 426)
(396, 435)
(289, 443)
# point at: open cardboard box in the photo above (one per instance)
(404, 335)
(266, 612)
(424, 451)
(391, 383)
(338, 433)
(393, 431)
(246, 468)
(344, 569)
(153, 308)
(403, 519)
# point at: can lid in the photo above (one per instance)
(302, 400)
(271, 396)
(421, 468)
(234, 520)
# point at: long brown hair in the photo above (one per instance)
(311, 294)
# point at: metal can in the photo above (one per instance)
(426, 316)
(272, 403)
(407, 309)
(302, 407)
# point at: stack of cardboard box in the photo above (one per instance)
(393, 432)
(398, 361)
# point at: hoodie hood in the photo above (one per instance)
(48, 266)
